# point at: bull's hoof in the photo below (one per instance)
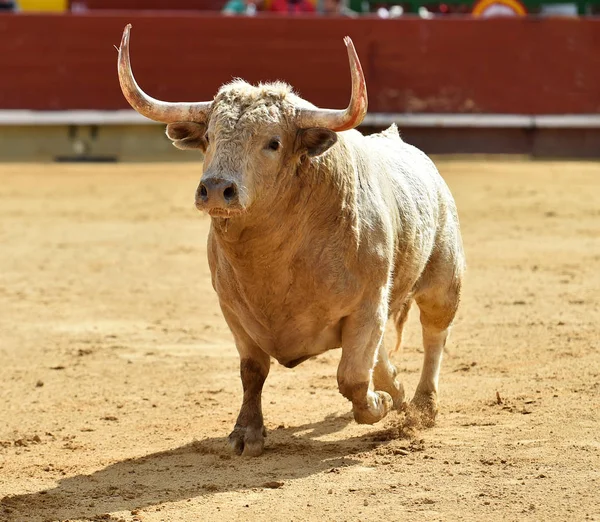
(425, 405)
(378, 403)
(248, 441)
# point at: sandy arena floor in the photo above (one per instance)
(119, 379)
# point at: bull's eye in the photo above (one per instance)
(206, 138)
(274, 144)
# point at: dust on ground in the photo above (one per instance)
(119, 378)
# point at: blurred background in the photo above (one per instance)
(457, 76)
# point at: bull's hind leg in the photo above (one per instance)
(362, 335)
(385, 373)
(384, 378)
(438, 306)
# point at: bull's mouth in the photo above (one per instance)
(218, 211)
(223, 213)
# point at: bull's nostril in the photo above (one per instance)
(229, 193)
(203, 191)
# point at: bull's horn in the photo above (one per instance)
(157, 110)
(353, 115)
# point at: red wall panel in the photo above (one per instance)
(526, 66)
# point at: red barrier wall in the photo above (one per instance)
(527, 66)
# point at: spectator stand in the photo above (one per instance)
(443, 7)
(394, 8)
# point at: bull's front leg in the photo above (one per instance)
(362, 334)
(248, 435)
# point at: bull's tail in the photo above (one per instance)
(400, 318)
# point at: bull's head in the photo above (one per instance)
(251, 136)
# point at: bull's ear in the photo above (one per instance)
(317, 140)
(187, 135)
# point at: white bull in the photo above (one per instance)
(319, 235)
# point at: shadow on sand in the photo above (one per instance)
(203, 467)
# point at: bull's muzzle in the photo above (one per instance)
(218, 196)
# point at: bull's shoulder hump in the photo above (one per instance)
(391, 133)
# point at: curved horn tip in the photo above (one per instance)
(352, 54)
(125, 37)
